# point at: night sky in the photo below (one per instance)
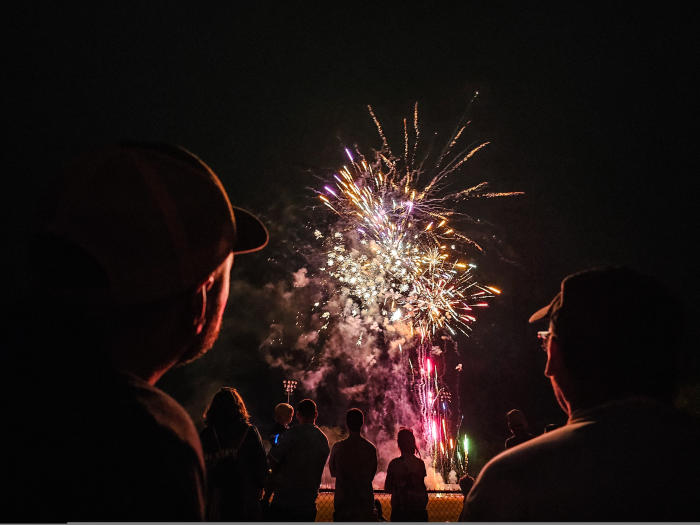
(586, 110)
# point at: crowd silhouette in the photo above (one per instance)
(142, 239)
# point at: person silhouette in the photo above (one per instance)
(235, 459)
(612, 359)
(353, 463)
(297, 464)
(404, 481)
(517, 424)
(127, 273)
(283, 415)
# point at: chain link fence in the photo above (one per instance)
(442, 505)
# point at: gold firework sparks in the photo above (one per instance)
(393, 244)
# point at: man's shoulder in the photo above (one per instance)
(353, 444)
(536, 451)
(508, 483)
(419, 465)
(565, 466)
(320, 435)
(303, 434)
(405, 463)
(163, 413)
(341, 443)
(394, 463)
(366, 443)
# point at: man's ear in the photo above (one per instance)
(200, 304)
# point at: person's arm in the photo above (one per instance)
(162, 482)
(422, 484)
(332, 461)
(389, 480)
(373, 464)
(326, 451)
(259, 461)
(494, 498)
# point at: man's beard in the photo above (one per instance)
(559, 395)
(202, 343)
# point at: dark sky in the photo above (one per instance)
(586, 108)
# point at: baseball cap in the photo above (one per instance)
(604, 300)
(154, 217)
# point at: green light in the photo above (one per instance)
(466, 444)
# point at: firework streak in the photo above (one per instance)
(392, 247)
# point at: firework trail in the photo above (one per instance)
(393, 261)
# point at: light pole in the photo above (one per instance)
(445, 398)
(289, 386)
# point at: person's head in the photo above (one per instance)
(284, 413)
(139, 241)
(306, 412)
(354, 419)
(612, 333)
(226, 409)
(516, 421)
(466, 483)
(407, 442)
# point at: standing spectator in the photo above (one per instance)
(404, 481)
(353, 462)
(297, 462)
(235, 459)
(517, 424)
(466, 483)
(283, 415)
(127, 276)
(625, 454)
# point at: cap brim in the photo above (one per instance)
(251, 234)
(545, 311)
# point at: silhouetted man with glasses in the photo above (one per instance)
(624, 454)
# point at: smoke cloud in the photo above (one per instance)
(343, 358)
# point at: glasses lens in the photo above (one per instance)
(544, 337)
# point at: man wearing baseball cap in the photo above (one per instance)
(612, 346)
(128, 277)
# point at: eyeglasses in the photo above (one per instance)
(544, 337)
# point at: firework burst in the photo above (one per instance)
(393, 244)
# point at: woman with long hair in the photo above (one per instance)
(404, 481)
(235, 459)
